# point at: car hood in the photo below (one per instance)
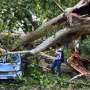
(6, 67)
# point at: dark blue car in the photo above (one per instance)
(10, 66)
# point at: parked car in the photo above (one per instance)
(10, 66)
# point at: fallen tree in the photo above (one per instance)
(77, 23)
(78, 20)
(55, 23)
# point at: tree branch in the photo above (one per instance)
(49, 26)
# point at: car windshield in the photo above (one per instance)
(14, 58)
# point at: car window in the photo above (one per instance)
(14, 58)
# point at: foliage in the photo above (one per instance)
(35, 76)
(85, 45)
(15, 14)
(20, 13)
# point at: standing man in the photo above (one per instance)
(58, 59)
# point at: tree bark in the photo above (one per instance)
(51, 25)
(63, 36)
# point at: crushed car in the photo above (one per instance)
(10, 66)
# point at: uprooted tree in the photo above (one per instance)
(76, 21)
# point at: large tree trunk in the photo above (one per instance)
(62, 37)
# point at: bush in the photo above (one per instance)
(85, 46)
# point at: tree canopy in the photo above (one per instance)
(29, 13)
